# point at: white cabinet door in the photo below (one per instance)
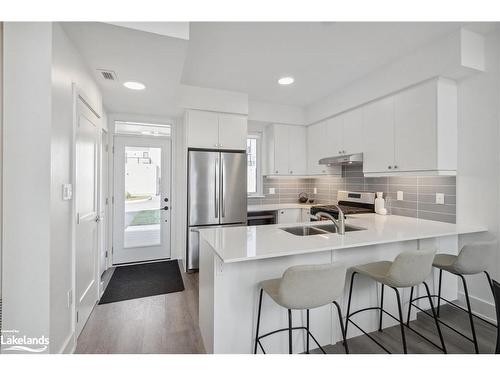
(334, 135)
(415, 128)
(353, 131)
(378, 128)
(317, 148)
(305, 215)
(281, 139)
(232, 132)
(202, 129)
(289, 216)
(297, 150)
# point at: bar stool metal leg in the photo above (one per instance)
(258, 323)
(307, 325)
(439, 291)
(409, 306)
(349, 302)
(471, 318)
(342, 329)
(381, 308)
(289, 331)
(435, 317)
(490, 282)
(401, 324)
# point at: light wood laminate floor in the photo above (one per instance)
(169, 324)
(166, 323)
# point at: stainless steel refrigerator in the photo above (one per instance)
(217, 195)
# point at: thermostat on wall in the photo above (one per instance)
(67, 192)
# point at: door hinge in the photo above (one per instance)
(77, 316)
(113, 149)
(106, 254)
(112, 249)
(106, 148)
(112, 200)
(107, 201)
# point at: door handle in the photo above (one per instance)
(165, 200)
(222, 187)
(165, 208)
(97, 218)
(216, 190)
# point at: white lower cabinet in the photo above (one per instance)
(289, 216)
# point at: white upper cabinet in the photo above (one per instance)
(413, 131)
(233, 132)
(334, 136)
(352, 132)
(213, 130)
(202, 129)
(319, 147)
(378, 129)
(285, 150)
(297, 150)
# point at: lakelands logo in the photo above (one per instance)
(11, 340)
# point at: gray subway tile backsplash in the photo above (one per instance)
(419, 193)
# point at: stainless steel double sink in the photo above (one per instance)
(312, 230)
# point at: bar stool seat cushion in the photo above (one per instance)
(307, 286)
(471, 260)
(446, 262)
(410, 268)
(272, 287)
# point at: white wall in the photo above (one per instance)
(193, 97)
(275, 113)
(27, 171)
(67, 67)
(456, 56)
(478, 184)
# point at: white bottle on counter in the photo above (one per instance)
(380, 204)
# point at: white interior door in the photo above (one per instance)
(141, 218)
(86, 229)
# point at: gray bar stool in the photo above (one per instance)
(409, 269)
(303, 288)
(470, 261)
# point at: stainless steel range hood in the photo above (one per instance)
(353, 159)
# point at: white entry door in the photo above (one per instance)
(86, 231)
(141, 217)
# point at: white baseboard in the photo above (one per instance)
(480, 307)
(69, 346)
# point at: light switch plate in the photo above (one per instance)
(272, 191)
(399, 195)
(67, 192)
(315, 191)
(439, 198)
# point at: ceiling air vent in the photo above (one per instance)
(108, 75)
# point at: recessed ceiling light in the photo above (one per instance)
(134, 85)
(286, 81)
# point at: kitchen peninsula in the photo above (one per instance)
(234, 260)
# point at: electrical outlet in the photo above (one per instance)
(399, 195)
(439, 198)
(70, 297)
(67, 192)
(315, 191)
(272, 191)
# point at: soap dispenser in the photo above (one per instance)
(380, 204)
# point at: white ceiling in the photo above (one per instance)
(152, 59)
(246, 57)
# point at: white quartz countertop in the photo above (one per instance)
(237, 244)
(276, 207)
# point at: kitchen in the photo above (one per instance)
(305, 204)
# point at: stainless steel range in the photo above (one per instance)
(350, 202)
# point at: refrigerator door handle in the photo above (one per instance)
(216, 190)
(222, 193)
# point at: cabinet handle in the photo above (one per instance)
(343, 152)
(340, 152)
(291, 172)
(395, 167)
(390, 167)
(276, 172)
